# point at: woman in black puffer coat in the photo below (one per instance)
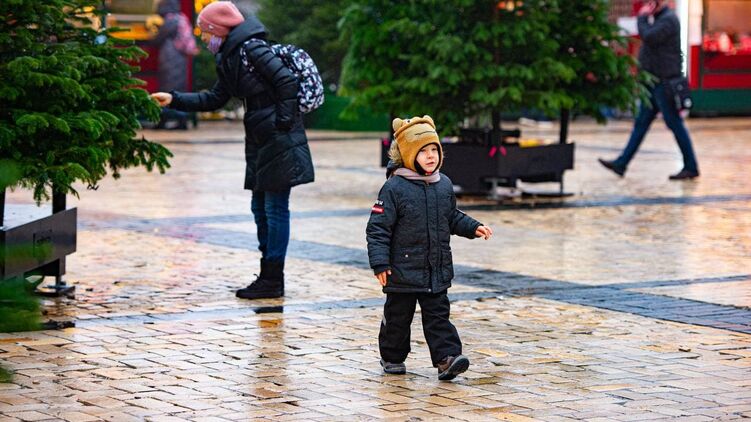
(276, 148)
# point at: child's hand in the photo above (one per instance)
(382, 277)
(484, 231)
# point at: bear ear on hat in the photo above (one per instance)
(397, 123)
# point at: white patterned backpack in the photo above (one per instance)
(310, 94)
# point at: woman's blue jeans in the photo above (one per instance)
(659, 103)
(271, 212)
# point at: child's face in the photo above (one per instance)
(428, 158)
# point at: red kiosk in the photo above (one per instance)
(717, 39)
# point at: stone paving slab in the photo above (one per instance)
(545, 359)
(626, 301)
(734, 293)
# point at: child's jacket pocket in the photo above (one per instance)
(409, 267)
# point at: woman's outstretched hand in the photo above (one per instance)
(162, 98)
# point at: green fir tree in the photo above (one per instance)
(460, 59)
(69, 105)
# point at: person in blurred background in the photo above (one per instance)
(277, 155)
(661, 56)
(176, 46)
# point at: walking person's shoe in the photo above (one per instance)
(612, 166)
(393, 368)
(451, 366)
(268, 285)
(684, 175)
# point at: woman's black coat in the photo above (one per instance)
(277, 156)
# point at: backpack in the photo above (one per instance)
(184, 40)
(310, 94)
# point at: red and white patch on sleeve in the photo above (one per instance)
(377, 207)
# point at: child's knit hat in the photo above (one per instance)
(412, 135)
(219, 18)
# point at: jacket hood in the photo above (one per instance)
(390, 167)
(251, 28)
(168, 6)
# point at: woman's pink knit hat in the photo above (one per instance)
(219, 18)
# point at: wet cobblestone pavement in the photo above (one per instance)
(629, 300)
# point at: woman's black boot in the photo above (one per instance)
(269, 284)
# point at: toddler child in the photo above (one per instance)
(408, 246)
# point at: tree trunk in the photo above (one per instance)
(496, 134)
(565, 117)
(58, 201)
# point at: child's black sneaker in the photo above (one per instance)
(451, 366)
(394, 368)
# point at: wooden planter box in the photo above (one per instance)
(33, 242)
(477, 164)
(477, 169)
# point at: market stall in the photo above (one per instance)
(718, 39)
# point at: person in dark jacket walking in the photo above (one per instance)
(176, 45)
(661, 56)
(276, 148)
(408, 246)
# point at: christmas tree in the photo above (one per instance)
(460, 59)
(70, 107)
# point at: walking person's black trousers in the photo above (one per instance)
(440, 333)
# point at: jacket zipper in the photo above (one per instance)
(427, 219)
